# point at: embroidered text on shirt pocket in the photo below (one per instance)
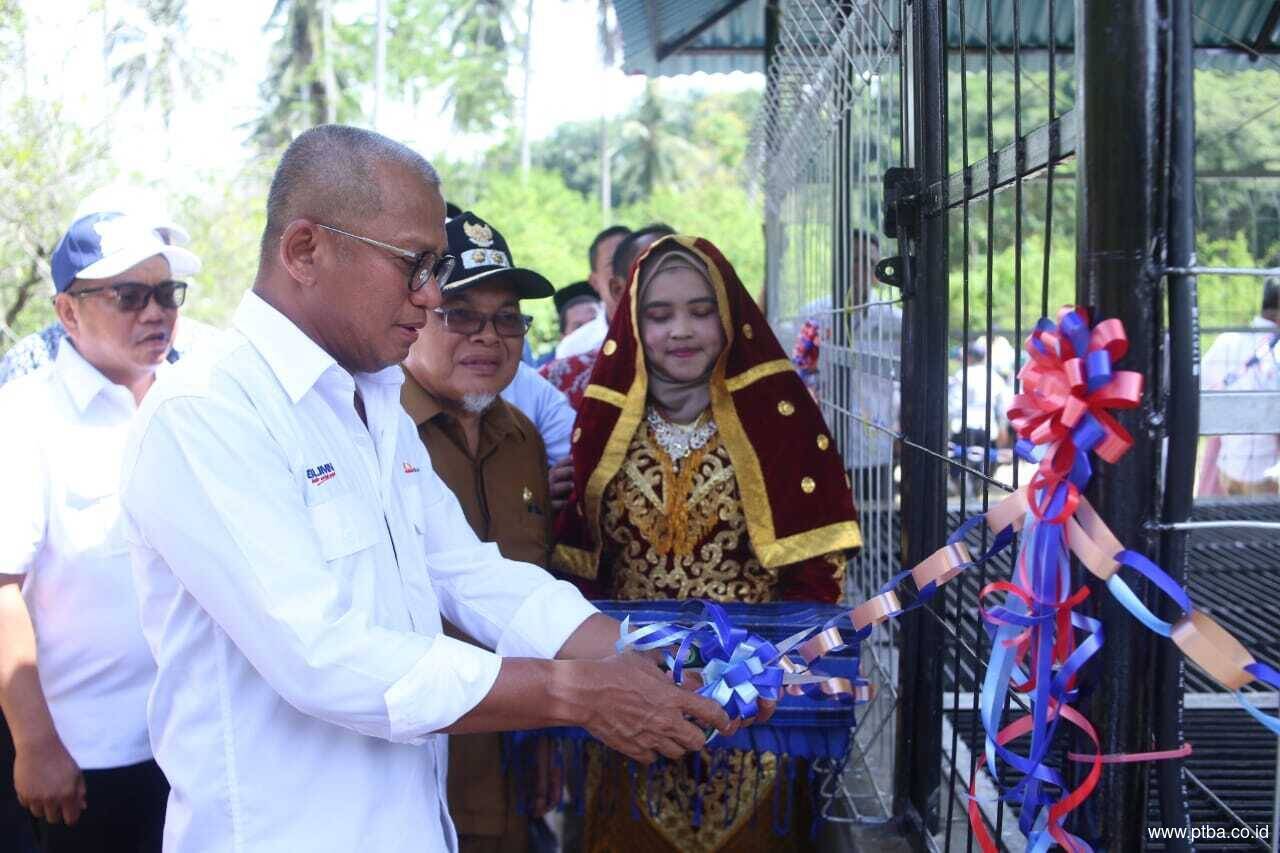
(344, 525)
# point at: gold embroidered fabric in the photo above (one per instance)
(676, 530)
(737, 807)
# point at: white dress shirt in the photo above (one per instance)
(61, 441)
(1246, 458)
(545, 405)
(293, 566)
(586, 338)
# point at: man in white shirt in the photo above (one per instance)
(588, 337)
(294, 551)
(545, 405)
(75, 670)
(1245, 361)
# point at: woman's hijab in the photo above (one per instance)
(796, 496)
(678, 401)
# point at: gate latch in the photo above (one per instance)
(901, 203)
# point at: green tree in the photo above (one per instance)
(47, 164)
(465, 47)
(153, 55)
(314, 72)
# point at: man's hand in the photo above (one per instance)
(560, 483)
(632, 706)
(48, 782)
(693, 682)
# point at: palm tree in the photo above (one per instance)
(649, 154)
(309, 73)
(610, 41)
(153, 55)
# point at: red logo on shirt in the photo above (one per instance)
(322, 474)
(409, 469)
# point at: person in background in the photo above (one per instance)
(75, 670)
(600, 259)
(978, 422)
(1244, 361)
(571, 374)
(577, 305)
(871, 331)
(39, 348)
(491, 457)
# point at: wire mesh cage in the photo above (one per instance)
(829, 128)
(997, 223)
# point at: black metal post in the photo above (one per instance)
(770, 226)
(1118, 68)
(1182, 405)
(918, 768)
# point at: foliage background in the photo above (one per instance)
(675, 154)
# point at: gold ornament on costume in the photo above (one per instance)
(610, 347)
(807, 485)
(747, 331)
(786, 408)
(478, 233)
(823, 442)
(527, 494)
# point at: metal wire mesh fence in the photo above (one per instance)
(829, 129)
(943, 140)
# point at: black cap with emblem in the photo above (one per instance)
(482, 255)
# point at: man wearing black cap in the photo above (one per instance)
(75, 670)
(577, 305)
(491, 457)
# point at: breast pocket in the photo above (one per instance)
(345, 525)
(94, 526)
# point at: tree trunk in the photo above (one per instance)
(606, 174)
(379, 60)
(525, 154)
(326, 59)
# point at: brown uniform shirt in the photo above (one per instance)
(503, 493)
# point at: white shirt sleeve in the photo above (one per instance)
(544, 404)
(24, 501)
(515, 608)
(586, 338)
(211, 493)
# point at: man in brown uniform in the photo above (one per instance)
(491, 456)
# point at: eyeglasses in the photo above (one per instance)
(464, 321)
(426, 266)
(132, 296)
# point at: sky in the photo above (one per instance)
(64, 53)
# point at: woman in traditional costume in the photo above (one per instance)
(702, 469)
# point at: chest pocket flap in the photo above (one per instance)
(345, 525)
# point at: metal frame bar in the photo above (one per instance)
(1182, 403)
(662, 50)
(1037, 150)
(1119, 214)
(1264, 41)
(918, 767)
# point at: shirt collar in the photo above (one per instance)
(296, 360)
(82, 380)
(423, 406)
(1262, 323)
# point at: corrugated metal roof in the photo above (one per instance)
(734, 43)
(735, 40)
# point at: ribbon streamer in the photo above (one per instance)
(1039, 641)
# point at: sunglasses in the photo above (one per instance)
(464, 321)
(131, 296)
